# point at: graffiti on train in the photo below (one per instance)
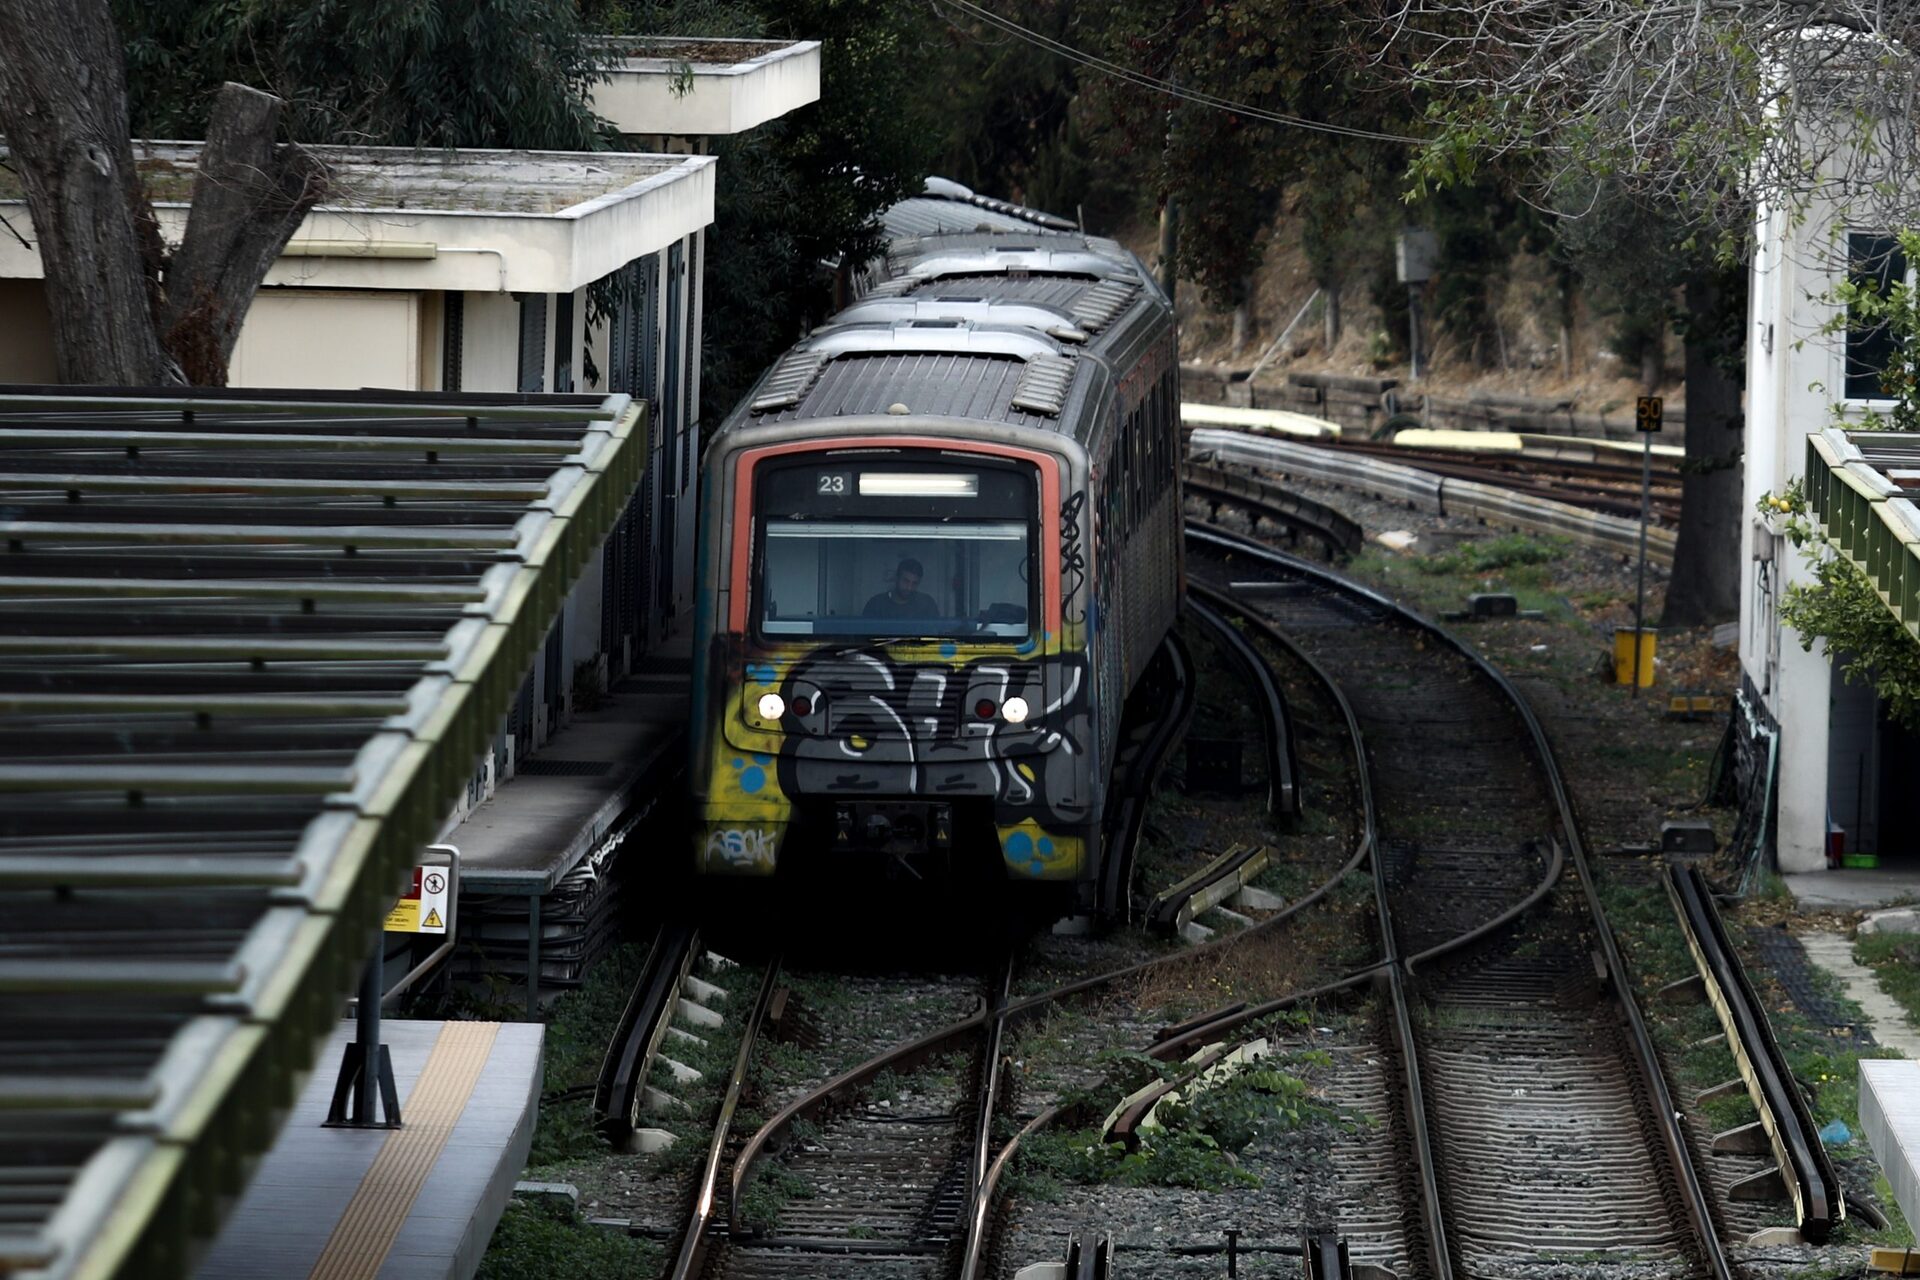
(881, 723)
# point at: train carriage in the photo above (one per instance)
(940, 543)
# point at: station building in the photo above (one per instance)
(1839, 768)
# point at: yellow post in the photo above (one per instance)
(1624, 658)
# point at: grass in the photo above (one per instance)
(1895, 961)
(548, 1243)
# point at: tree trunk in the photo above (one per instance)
(63, 107)
(1705, 586)
(249, 197)
(1330, 313)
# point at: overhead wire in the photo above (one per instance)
(1141, 79)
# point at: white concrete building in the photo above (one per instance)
(1845, 772)
(673, 93)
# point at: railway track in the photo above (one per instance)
(1551, 1129)
(1525, 1120)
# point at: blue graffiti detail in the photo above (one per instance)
(762, 759)
(738, 763)
(753, 779)
(760, 672)
(948, 649)
(1020, 849)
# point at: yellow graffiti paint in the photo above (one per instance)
(1034, 853)
(746, 812)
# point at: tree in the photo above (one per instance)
(1690, 115)
(408, 73)
(124, 309)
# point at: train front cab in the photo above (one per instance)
(896, 666)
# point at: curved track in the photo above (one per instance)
(1551, 1126)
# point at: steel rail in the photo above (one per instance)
(1817, 1193)
(1340, 534)
(693, 1245)
(1283, 791)
(1660, 1097)
(906, 1056)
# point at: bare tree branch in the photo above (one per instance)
(1705, 106)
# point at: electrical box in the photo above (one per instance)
(1415, 252)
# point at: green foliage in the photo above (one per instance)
(428, 73)
(1199, 1136)
(768, 1192)
(1863, 638)
(537, 1239)
(1494, 554)
(1895, 960)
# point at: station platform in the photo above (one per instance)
(562, 803)
(415, 1203)
(1853, 889)
(540, 867)
(1890, 1119)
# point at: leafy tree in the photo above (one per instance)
(429, 73)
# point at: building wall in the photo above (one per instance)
(26, 338)
(1794, 376)
(329, 339)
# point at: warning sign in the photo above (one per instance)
(423, 907)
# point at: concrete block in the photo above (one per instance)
(1689, 836)
(1892, 920)
(1774, 1235)
(1232, 917)
(698, 1014)
(681, 1036)
(1073, 926)
(1890, 1119)
(550, 1192)
(702, 992)
(680, 1071)
(1252, 899)
(645, 1142)
(717, 963)
(658, 1102)
(1195, 932)
(1492, 604)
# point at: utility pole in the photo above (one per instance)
(1648, 413)
(1169, 213)
(1415, 252)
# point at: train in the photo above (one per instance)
(939, 545)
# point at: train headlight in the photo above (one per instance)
(772, 706)
(1015, 710)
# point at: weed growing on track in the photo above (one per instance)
(1198, 1139)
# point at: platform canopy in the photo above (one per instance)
(251, 648)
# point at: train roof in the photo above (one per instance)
(936, 368)
(947, 206)
(1022, 326)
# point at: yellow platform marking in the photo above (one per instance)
(365, 1233)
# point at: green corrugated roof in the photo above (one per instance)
(251, 648)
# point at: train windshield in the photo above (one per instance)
(875, 552)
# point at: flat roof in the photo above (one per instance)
(704, 87)
(252, 646)
(407, 218)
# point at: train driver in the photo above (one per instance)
(904, 599)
